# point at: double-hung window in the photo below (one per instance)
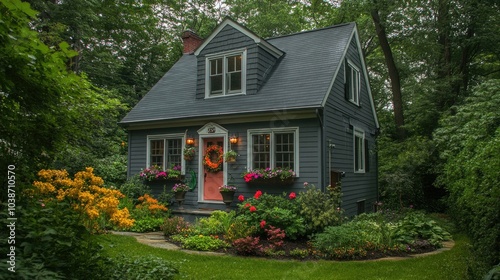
(165, 151)
(353, 83)
(359, 151)
(273, 148)
(226, 74)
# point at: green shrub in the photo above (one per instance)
(217, 224)
(415, 226)
(299, 253)
(147, 267)
(134, 188)
(275, 210)
(319, 209)
(203, 243)
(52, 243)
(174, 225)
(147, 224)
(239, 229)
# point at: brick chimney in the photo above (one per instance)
(191, 41)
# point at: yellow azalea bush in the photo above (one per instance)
(86, 195)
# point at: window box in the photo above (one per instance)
(269, 177)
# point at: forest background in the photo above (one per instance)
(70, 70)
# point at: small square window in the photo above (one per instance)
(226, 74)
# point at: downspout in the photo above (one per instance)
(322, 148)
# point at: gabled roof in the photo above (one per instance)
(259, 41)
(302, 79)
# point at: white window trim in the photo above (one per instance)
(166, 137)
(272, 131)
(358, 93)
(357, 132)
(223, 55)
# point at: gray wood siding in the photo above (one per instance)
(258, 60)
(339, 115)
(309, 155)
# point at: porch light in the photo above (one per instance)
(190, 140)
(233, 139)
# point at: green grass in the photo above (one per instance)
(446, 265)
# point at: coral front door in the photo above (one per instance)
(213, 179)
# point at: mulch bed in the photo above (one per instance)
(284, 252)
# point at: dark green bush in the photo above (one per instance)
(134, 188)
(319, 209)
(52, 243)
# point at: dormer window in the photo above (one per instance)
(226, 74)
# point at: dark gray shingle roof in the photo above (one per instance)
(300, 80)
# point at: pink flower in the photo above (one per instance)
(241, 198)
(253, 209)
(262, 224)
(292, 195)
(257, 194)
(306, 184)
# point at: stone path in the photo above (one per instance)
(156, 239)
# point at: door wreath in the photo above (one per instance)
(213, 158)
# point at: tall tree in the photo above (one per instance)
(397, 99)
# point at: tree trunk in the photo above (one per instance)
(397, 100)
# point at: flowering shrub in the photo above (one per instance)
(227, 188)
(150, 204)
(155, 172)
(268, 173)
(275, 210)
(86, 195)
(180, 187)
(174, 225)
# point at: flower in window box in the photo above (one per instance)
(268, 176)
(155, 173)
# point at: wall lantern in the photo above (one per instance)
(233, 139)
(190, 141)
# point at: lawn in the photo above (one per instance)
(446, 265)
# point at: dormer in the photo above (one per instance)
(233, 61)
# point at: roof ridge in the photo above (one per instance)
(312, 30)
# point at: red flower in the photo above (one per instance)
(247, 205)
(257, 194)
(253, 209)
(241, 198)
(292, 195)
(262, 224)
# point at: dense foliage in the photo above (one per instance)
(67, 71)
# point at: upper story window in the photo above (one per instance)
(359, 151)
(353, 83)
(165, 151)
(226, 74)
(273, 148)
